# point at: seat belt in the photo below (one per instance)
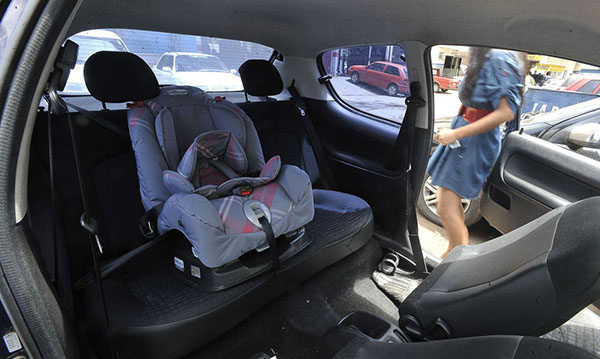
(400, 159)
(56, 105)
(328, 178)
(99, 120)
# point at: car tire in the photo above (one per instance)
(427, 201)
(392, 89)
(444, 90)
(355, 77)
(436, 87)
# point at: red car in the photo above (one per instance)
(386, 75)
(443, 84)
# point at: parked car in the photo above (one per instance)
(385, 75)
(89, 43)
(193, 69)
(554, 127)
(443, 83)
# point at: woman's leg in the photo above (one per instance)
(451, 213)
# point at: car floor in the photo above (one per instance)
(292, 326)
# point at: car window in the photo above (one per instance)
(165, 63)
(193, 55)
(589, 87)
(351, 85)
(392, 70)
(376, 67)
(200, 63)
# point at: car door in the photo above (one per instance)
(533, 176)
(373, 73)
(358, 131)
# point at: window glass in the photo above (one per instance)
(376, 67)
(392, 70)
(165, 63)
(205, 62)
(381, 95)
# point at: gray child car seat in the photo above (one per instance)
(200, 162)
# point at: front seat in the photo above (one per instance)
(201, 167)
(527, 282)
(490, 347)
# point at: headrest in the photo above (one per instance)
(260, 78)
(113, 76)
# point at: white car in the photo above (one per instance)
(89, 43)
(207, 72)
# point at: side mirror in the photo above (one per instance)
(166, 68)
(586, 135)
(233, 71)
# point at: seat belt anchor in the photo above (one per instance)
(89, 224)
(302, 112)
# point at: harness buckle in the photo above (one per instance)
(243, 191)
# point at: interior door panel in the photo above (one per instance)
(358, 148)
(533, 176)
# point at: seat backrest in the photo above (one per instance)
(526, 282)
(163, 122)
(163, 128)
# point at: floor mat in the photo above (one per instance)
(292, 326)
(583, 330)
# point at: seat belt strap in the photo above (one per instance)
(57, 106)
(328, 178)
(266, 227)
(99, 120)
(400, 159)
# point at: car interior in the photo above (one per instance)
(179, 223)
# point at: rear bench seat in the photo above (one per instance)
(152, 314)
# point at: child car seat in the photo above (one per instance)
(200, 163)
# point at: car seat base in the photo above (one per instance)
(189, 269)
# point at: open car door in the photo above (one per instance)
(533, 176)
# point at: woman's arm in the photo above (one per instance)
(499, 116)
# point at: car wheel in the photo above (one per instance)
(427, 204)
(444, 90)
(355, 77)
(436, 87)
(392, 89)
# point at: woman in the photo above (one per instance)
(491, 96)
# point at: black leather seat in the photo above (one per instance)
(492, 347)
(526, 282)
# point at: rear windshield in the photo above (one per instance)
(214, 60)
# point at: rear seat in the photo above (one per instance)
(152, 313)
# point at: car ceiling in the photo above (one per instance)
(305, 28)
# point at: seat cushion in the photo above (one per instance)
(155, 315)
(492, 347)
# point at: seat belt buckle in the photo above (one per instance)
(302, 112)
(243, 191)
(147, 229)
(89, 224)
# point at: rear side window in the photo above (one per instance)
(360, 82)
(205, 62)
(392, 70)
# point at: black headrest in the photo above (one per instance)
(113, 76)
(260, 78)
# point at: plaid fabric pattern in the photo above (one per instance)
(231, 210)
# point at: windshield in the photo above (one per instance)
(190, 63)
(89, 45)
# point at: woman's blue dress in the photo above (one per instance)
(464, 169)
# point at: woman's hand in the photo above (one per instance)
(445, 136)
